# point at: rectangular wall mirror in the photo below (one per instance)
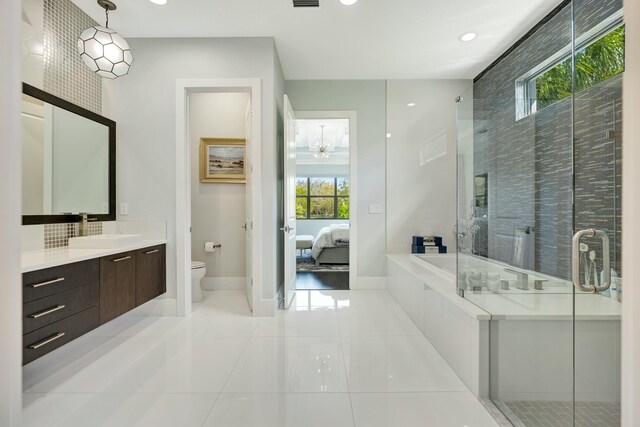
(68, 161)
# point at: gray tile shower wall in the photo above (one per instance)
(530, 162)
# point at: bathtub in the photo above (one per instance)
(444, 262)
(424, 286)
(497, 341)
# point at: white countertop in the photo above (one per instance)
(45, 258)
(546, 306)
(554, 303)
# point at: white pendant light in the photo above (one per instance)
(321, 149)
(103, 50)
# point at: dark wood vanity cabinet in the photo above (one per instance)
(64, 302)
(117, 285)
(150, 273)
(60, 304)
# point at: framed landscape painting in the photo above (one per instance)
(223, 160)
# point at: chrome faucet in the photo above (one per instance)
(523, 278)
(84, 224)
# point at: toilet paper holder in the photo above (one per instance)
(211, 246)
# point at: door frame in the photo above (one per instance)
(184, 88)
(353, 181)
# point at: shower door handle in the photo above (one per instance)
(606, 263)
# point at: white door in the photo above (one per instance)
(289, 228)
(248, 225)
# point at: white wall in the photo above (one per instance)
(630, 225)
(217, 210)
(10, 291)
(421, 199)
(144, 106)
(33, 36)
(367, 99)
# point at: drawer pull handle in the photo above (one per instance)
(46, 341)
(122, 259)
(152, 252)
(49, 311)
(49, 282)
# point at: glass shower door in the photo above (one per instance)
(598, 63)
(539, 186)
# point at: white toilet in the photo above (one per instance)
(198, 270)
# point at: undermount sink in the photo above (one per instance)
(105, 241)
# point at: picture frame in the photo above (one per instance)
(223, 160)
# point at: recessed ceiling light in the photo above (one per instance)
(411, 104)
(348, 2)
(160, 2)
(388, 135)
(467, 37)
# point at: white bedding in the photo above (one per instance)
(336, 235)
(340, 234)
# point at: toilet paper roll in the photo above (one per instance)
(210, 247)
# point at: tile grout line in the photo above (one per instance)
(346, 375)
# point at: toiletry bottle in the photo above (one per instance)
(612, 292)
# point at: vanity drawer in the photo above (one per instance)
(47, 310)
(42, 283)
(46, 339)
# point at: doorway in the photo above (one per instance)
(219, 139)
(250, 223)
(322, 204)
(321, 199)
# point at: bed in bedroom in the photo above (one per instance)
(331, 245)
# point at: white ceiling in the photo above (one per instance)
(374, 39)
(335, 132)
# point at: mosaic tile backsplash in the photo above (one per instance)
(65, 75)
(57, 68)
(58, 235)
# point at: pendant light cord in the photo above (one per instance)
(106, 13)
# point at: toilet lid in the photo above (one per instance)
(197, 264)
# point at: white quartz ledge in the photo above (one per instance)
(440, 282)
(516, 306)
(46, 258)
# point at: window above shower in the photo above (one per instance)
(600, 55)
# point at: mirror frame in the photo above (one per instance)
(66, 105)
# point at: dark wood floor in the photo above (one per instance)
(322, 280)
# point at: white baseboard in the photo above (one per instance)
(369, 283)
(265, 308)
(157, 307)
(224, 283)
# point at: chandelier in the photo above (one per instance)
(322, 150)
(103, 50)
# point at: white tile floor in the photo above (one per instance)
(337, 358)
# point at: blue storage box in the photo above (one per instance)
(427, 241)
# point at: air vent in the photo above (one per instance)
(306, 3)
